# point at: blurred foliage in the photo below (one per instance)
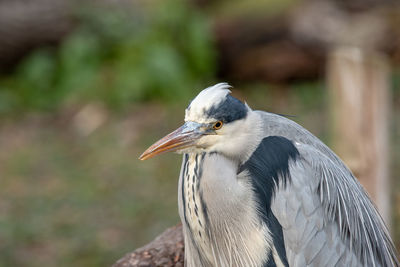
(117, 56)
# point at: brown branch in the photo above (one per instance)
(166, 250)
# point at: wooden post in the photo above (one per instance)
(358, 83)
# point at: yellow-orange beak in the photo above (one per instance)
(183, 137)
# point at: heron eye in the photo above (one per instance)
(217, 125)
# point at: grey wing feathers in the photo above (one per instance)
(309, 239)
(327, 218)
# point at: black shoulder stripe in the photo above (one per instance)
(268, 166)
(277, 237)
(270, 261)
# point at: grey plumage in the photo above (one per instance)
(342, 200)
(263, 191)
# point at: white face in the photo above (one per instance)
(237, 139)
(214, 122)
(234, 136)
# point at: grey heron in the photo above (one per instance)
(257, 189)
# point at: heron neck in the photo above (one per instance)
(208, 209)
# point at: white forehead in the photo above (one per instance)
(211, 96)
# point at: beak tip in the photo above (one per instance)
(171, 142)
(146, 155)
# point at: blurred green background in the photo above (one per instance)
(75, 114)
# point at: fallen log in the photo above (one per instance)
(166, 250)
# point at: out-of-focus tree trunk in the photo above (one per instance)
(295, 43)
(25, 25)
(359, 87)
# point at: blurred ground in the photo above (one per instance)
(75, 116)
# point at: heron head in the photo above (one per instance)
(215, 121)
